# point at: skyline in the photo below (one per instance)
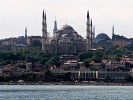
(17, 15)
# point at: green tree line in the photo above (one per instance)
(34, 55)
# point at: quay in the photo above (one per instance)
(68, 83)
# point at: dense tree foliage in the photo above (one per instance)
(119, 50)
(85, 55)
(116, 36)
(53, 61)
(99, 55)
(34, 55)
(88, 56)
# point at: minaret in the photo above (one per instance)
(44, 26)
(93, 32)
(113, 33)
(44, 29)
(25, 35)
(88, 37)
(55, 26)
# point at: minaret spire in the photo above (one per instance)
(25, 36)
(89, 32)
(88, 16)
(93, 32)
(26, 32)
(55, 26)
(91, 25)
(44, 30)
(113, 32)
(43, 14)
(44, 25)
(88, 24)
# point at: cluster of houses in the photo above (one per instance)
(107, 69)
(116, 71)
(12, 43)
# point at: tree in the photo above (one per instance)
(43, 61)
(116, 36)
(117, 57)
(53, 61)
(85, 55)
(99, 53)
(86, 62)
(96, 58)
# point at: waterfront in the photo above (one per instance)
(65, 92)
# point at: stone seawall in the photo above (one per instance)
(66, 83)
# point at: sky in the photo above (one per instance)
(15, 15)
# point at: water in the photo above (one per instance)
(65, 92)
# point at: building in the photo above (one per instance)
(30, 40)
(118, 40)
(87, 75)
(66, 40)
(102, 40)
(72, 65)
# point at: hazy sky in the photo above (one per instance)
(15, 15)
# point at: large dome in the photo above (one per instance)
(66, 27)
(102, 36)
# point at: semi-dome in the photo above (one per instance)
(66, 27)
(102, 36)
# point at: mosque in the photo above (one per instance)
(66, 40)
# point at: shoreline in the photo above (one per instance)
(67, 83)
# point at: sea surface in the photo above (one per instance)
(65, 92)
